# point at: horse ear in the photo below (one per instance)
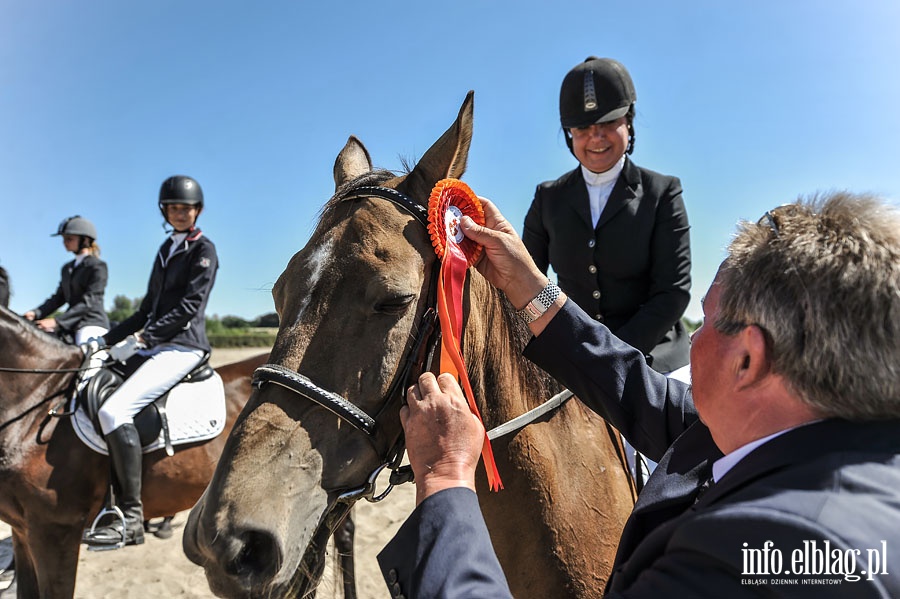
(352, 162)
(447, 157)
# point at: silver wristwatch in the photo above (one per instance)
(536, 307)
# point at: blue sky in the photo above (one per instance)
(750, 103)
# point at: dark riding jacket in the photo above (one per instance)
(174, 308)
(81, 287)
(632, 272)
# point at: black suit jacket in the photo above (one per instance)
(633, 271)
(82, 288)
(831, 487)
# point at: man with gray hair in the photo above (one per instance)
(779, 469)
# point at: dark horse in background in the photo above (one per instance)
(52, 484)
(353, 305)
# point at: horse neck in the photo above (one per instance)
(25, 347)
(505, 383)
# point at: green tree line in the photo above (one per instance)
(227, 331)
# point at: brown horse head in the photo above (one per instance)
(354, 306)
(350, 304)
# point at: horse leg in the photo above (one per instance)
(52, 562)
(24, 575)
(160, 530)
(343, 544)
(164, 530)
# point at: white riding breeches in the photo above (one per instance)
(166, 366)
(84, 334)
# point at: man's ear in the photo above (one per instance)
(756, 361)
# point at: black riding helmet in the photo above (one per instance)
(597, 90)
(180, 189)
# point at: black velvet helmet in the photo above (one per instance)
(598, 90)
(76, 225)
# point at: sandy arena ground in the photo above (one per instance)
(158, 568)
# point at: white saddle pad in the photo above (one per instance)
(196, 412)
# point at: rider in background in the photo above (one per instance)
(170, 330)
(4, 288)
(82, 285)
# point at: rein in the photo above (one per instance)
(48, 370)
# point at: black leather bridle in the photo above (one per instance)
(418, 360)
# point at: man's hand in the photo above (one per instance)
(443, 437)
(505, 262)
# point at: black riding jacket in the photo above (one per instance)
(82, 288)
(174, 308)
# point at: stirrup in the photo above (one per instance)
(105, 546)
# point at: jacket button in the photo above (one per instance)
(392, 576)
(592, 269)
(596, 294)
(592, 243)
(599, 317)
(396, 591)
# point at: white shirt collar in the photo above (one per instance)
(595, 179)
(177, 240)
(727, 462)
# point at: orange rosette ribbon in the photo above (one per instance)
(450, 200)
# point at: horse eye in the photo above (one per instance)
(395, 305)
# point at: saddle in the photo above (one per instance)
(153, 418)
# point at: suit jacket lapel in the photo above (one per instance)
(576, 196)
(626, 190)
(687, 462)
(804, 444)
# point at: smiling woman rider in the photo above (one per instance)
(615, 234)
(170, 329)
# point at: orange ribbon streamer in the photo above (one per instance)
(449, 201)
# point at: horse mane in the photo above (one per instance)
(501, 349)
(19, 326)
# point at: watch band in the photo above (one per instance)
(536, 307)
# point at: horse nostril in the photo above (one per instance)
(259, 558)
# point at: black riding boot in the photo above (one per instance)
(125, 451)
